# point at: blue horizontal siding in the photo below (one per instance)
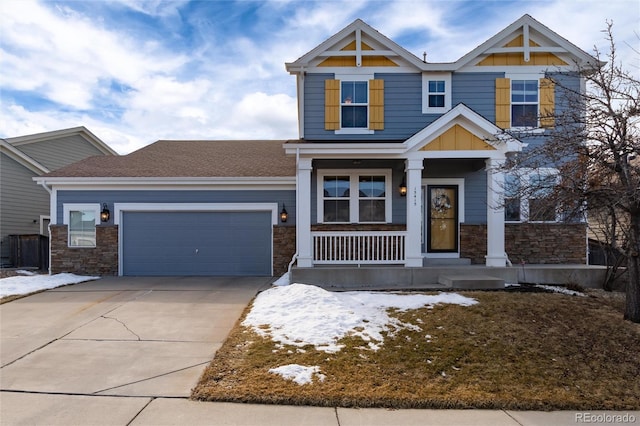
(168, 196)
(477, 91)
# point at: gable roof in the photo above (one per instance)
(529, 28)
(56, 134)
(182, 159)
(549, 42)
(357, 30)
(470, 121)
(22, 158)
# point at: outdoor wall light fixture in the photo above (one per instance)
(283, 214)
(403, 188)
(105, 214)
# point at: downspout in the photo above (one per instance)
(46, 188)
(295, 255)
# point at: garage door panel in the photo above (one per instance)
(197, 243)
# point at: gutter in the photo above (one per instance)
(51, 208)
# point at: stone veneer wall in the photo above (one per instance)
(99, 260)
(533, 243)
(284, 247)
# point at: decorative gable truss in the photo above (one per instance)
(527, 52)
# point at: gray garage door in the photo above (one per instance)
(196, 243)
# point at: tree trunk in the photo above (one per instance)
(632, 304)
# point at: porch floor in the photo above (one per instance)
(398, 277)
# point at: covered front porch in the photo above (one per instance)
(421, 191)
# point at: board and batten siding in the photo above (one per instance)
(56, 153)
(23, 202)
(179, 197)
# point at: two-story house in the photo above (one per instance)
(397, 164)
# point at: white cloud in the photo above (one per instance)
(131, 85)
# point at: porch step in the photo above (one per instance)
(446, 262)
(471, 282)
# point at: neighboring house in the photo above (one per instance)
(395, 165)
(24, 205)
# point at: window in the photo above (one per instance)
(354, 104)
(436, 93)
(354, 196)
(534, 202)
(81, 220)
(541, 206)
(511, 198)
(524, 103)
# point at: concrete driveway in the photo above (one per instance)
(117, 336)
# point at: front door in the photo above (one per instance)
(442, 218)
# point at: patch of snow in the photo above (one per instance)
(301, 314)
(17, 285)
(300, 374)
(283, 280)
(560, 289)
(25, 272)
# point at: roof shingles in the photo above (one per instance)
(229, 158)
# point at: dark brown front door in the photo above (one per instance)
(442, 232)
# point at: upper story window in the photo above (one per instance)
(436, 93)
(524, 103)
(81, 221)
(354, 196)
(354, 104)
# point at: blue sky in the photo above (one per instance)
(134, 72)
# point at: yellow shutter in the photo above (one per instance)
(503, 103)
(376, 104)
(332, 104)
(547, 102)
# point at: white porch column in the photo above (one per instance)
(495, 214)
(303, 219)
(413, 241)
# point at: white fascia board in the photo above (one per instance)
(57, 134)
(484, 154)
(155, 181)
(363, 148)
(22, 158)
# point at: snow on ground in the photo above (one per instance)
(28, 284)
(301, 315)
(551, 288)
(300, 374)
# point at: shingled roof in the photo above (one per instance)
(201, 158)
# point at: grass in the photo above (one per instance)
(527, 351)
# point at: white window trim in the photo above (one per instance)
(426, 77)
(525, 76)
(354, 207)
(526, 174)
(66, 214)
(354, 130)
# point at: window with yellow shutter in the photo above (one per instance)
(354, 104)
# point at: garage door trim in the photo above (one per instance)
(120, 208)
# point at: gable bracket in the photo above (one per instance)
(358, 47)
(525, 42)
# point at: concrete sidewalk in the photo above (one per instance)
(47, 409)
(127, 351)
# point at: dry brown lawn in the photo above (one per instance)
(528, 351)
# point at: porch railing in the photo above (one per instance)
(358, 247)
